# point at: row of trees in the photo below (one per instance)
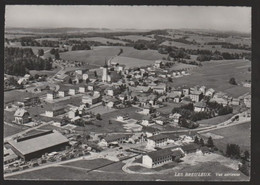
(188, 113)
(28, 41)
(18, 61)
(81, 46)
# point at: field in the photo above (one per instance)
(96, 56)
(11, 130)
(238, 134)
(132, 62)
(99, 54)
(216, 75)
(89, 164)
(99, 39)
(17, 95)
(135, 37)
(108, 174)
(215, 120)
(203, 47)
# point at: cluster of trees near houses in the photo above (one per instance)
(18, 61)
(189, 116)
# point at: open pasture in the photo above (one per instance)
(238, 134)
(135, 37)
(98, 55)
(216, 75)
(212, 48)
(132, 62)
(99, 39)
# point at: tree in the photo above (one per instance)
(196, 140)
(233, 150)
(57, 56)
(232, 81)
(98, 117)
(95, 74)
(40, 52)
(77, 113)
(210, 142)
(201, 142)
(246, 155)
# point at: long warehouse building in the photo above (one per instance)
(35, 146)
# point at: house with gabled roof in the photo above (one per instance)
(21, 116)
(160, 157)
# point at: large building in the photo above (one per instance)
(157, 140)
(161, 157)
(35, 146)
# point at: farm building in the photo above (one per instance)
(21, 116)
(157, 140)
(91, 99)
(160, 157)
(72, 92)
(200, 106)
(247, 101)
(91, 87)
(186, 91)
(196, 96)
(190, 148)
(158, 63)
(175, 117)
(151, 131)
(203, 90)
(63, 93)
(210, 92)
(34, 146)
(112, 91)
(82, 89)
(51, 95)
(116, 138)
(54, 111)
(160, 88)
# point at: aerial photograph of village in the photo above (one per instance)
(127, 93)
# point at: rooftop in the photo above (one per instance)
(158, 137)
(38, 143)
(114, 137)
(20, 112)
(164, 152)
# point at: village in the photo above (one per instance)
(133, 98)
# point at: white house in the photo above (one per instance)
(158, 63)
(62, 93)
(175, 117)
(157, 140)
(72, 92)
(160, 157)
(210, 92)
(82, 89)
(51, 95)
(21, 116)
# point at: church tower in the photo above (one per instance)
(105, 76)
